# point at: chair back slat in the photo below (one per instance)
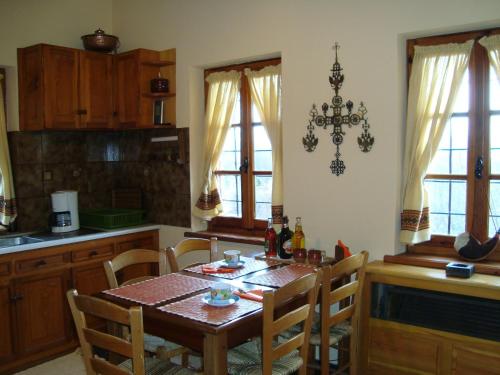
(101, 366)
(290, 319)
(292, 344)
(103, 340)
(188, 245)
(344, 292)
(306, 286)
(102, 309)
(89, 338)
(132, 257)
(343, 314)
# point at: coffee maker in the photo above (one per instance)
(64, 216)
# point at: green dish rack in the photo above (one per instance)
(111, 218)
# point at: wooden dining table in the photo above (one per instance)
(187, 321)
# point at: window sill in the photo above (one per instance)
(229, 237)
(486, 267)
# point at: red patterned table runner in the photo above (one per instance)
(160, 289)
(282, 276)
(196, 309)
(251, 265)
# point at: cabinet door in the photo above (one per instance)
(96, 90)
(41, 310)
(127, 89)
(91, 280)
(6, 349)
(475, 359)
(31, 113)
(60, 66)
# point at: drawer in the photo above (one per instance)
(139, 243)
(42, 263)
(5, 269)
(92, 253)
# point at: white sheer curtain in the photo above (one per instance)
(492, 45)
(265, 89)
(223, 88)
(436, 74)
(7, 196)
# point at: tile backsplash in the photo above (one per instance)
(95, 163)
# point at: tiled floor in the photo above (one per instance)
(70, 364)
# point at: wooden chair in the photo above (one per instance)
(188, 245)
(344, 323)
(153, 344)
(133, 257)
(82, 306)
(273, 354)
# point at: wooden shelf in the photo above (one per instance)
(158, 63)
(158, 94)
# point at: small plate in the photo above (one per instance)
(229, 302)
(240, 264)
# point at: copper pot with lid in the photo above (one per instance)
(100, 42)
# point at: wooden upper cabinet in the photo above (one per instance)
(64, 88)
(134, 99)
(96, 90)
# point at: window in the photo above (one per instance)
(459, 199)
(244, 171)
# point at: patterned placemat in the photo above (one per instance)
(160, 289)
(251, 265)
(282, 276)
(194, 308)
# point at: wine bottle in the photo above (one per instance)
(285, 240)
(270, 239)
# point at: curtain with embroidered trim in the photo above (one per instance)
(265, 90)
(8, 210)
(223, 88)
(492, 45)
(437, 72)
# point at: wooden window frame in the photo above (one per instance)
(246, 225)
(476, 206)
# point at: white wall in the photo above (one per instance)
(362, 206)
(59, 22)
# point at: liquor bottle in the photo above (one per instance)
(285, 240)
(298, 239)
(270, 239)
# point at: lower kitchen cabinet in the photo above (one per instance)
(41, 311)
(35, 319)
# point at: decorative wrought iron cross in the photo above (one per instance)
(337, 119)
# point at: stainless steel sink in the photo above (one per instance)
(19, 240)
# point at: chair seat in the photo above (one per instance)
(155, 366)
(246, 359)
(337, 332)
(152, 343)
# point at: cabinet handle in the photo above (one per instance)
(93, 253)
(40, 263)
(81, 112)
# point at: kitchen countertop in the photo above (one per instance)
(74, 239)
